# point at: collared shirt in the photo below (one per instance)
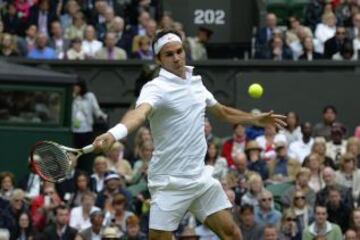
(91, 47)
(272, 217)
(299, 150)
(177, 122)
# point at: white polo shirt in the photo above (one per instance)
(177, 123)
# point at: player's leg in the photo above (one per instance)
(223, 225)
(159, 235)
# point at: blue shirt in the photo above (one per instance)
(46, 53)
(272, 217)
(281, 167)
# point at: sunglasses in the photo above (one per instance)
(299, 197)
(266, 199)
(290, 219)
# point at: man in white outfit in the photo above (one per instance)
(175, 105)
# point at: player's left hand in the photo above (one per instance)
(264, 119)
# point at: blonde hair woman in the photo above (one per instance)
(348, 175)
(117, 163)
(142, 135)
(100, 167)
(255, 187)
(8, 46)
(319, 148)
(353, 147)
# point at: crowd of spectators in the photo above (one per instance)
(329, 29)
(88, 29)
(301, 182)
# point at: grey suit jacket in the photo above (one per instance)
(119, 54)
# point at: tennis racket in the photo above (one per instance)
(52, 161)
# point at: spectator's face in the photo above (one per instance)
(150, 28)
(356, 218)
(239, 131)
(291, 120)
(17, 203)
(109, 14)
(294, 23)
(118, 25)
(353, 148)
(133, 230)
(328, 177)
(319, 148)
(320, 215)
(271, 20)
(113, 184)
(110, 40)
(12, 10)
(56, 29)
(299, 200)
(100, 7)
(269, 130)
(62, 216)
(307, 130)
(356, 21)
(44, 5)
(24, 221)
(100, 167)
(119, 207)
(350, 235)
(270, 234)
(256, 186)
(172, 57)
(349, 165)
(329, 116)
(73, 7)
(77, 46)
(114, 154)
(41, 41)
(212, 151)
(340, 33)
(167, 22)
(6, 42)
(277, 43)
(282, 151)
(32, 31)
(265, 201)
(90, 33)
(254, 155)
(144, 18)
(314, 162)
(208, 128)
(146, 135)
(6, 184)
(303, 179)
(88, 202)
(240, 162)
(247, 217)
(145, 45)
(146, 153)
(330, 21)
(82, 182)
(334, 198)
(97, 221)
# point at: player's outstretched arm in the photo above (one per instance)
(234, 116)
(130, 121)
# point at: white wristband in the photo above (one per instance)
(119, 131)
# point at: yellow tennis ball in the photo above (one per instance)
(255, 90)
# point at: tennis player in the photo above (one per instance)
(175, 103)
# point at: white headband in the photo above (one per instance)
(170, 37)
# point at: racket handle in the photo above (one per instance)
(88, 149)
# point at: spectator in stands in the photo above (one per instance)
(277, 50)
(71, 9)
(346, 52)
(23, 8)
(265, 34)
(43, 205)
(302, 148)
(166, 22)
(133, 229)
(90, 45)
(292, 131)
(355, 221)
(295, 35)
(209, 135)
(150, 32)
(112, 187)
(111, 232)
(104, 27)
(25, 229)
(322, 197)
(326, 29)
(110, 51)
(80, 215)
(41, 51)
(249, 229)
(97, 178)
(42, 16)
(30, 184)
(255, 187)
(313, 11)
(346, 11)
(268, 140)
(265, 213)
(334, 44)
(141, 165)
(198, 43)
(353, 147)
(12, 23)
(96, 228)
(25, 45)
(7, 183)
(142, 135)
(350, 234)
(97, 16)
(312, 162)
(348, 175)
(142, 20)
(57, 40)
(337, 145)
(219, 163)
(145, 51)
(322, 226)
(323, 129)
(301, 184)
(240, 170)
(76, 51)
(8, 46)
(288, 228)
(60, 229)
(117, 163)
(123, 38)
(309, 52)
(319, 147)
(82, 186)
(236, 144)
(77, 27)
(117, 214)
(282, 168)
(303, 213)
(270, 232)
(337, 210)
(255, 162)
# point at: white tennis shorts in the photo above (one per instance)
(172, 197)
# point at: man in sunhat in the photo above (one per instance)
(255, 162)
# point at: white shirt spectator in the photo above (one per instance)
(91, 47)
(292, 136)
(270, 154)
(77, 220)
(323, 32)
(299, 150)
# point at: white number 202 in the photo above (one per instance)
(209, 16)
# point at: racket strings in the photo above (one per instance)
(52, 161)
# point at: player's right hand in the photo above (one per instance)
(104, 142)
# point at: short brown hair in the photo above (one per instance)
(118, 199)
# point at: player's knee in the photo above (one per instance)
(159, 235)
(230, 231)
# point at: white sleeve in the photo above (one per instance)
(210, 99)
(151, 94)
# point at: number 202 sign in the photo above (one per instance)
(209, 16)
